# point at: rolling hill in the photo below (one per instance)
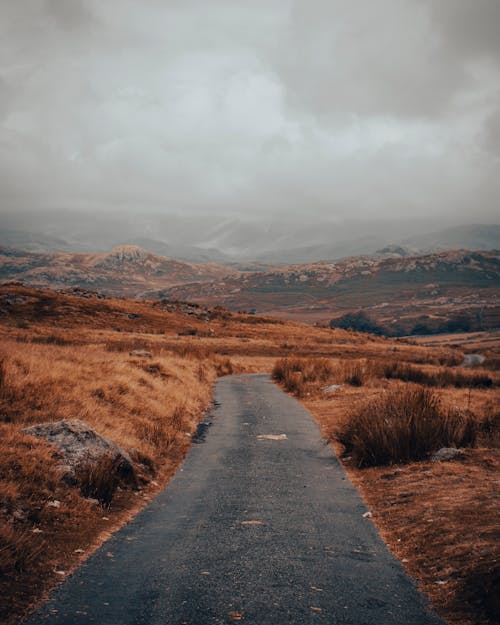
(399, 292)
(124, 271)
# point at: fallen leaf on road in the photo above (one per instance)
(316, 589)
(236, 616)
(252, 523)
(314, 609)
(272, 437)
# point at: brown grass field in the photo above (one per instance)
(68, 356)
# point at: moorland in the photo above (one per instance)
(141, 373)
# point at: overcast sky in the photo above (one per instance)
(341, 108)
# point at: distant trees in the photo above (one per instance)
(459, 323)
(358, 321)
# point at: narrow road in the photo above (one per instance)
(271, 530)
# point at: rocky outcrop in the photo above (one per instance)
(80, 445)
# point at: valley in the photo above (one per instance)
(141, 374)
(452, 291)
(403, 295)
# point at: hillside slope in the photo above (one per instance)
(124, 271)
(398, 291)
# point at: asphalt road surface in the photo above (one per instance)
(250, 530)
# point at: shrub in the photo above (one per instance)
(490, 430)
(352, 372)
(358, 321)
(441, 377)
(223, 366)
(297, 374)
(480, 587)
(404, 425)
(99, 480)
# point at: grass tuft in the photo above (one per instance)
(18, 549)
(402, 426)
(298, 374)
(440, 378)
(99, 480)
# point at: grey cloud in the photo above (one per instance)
(471, 28)
(325, 108)
(363, 58)
(491, 134)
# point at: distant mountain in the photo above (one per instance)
(471, 237)
(186, 253)
(221, 238)
(124, 271)
(396, 290)
(31, 241)
(396, 251)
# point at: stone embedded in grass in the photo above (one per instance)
(80, 446)
(331, 388)
(140, 353)
(446, 453)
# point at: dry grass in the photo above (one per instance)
(148, 405)
(298, 374)
(458, 378)
(69, 357)
(440, 519)
(403, 425)
(99, 480)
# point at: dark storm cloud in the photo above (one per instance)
(335, 107)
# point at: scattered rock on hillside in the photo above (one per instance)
(79, 444)
(473, 360)
(331, 388)
(446, 453)
(12, 300)
(141, 353)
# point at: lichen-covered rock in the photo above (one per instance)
(80, 445)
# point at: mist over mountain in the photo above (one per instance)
(221, 239)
